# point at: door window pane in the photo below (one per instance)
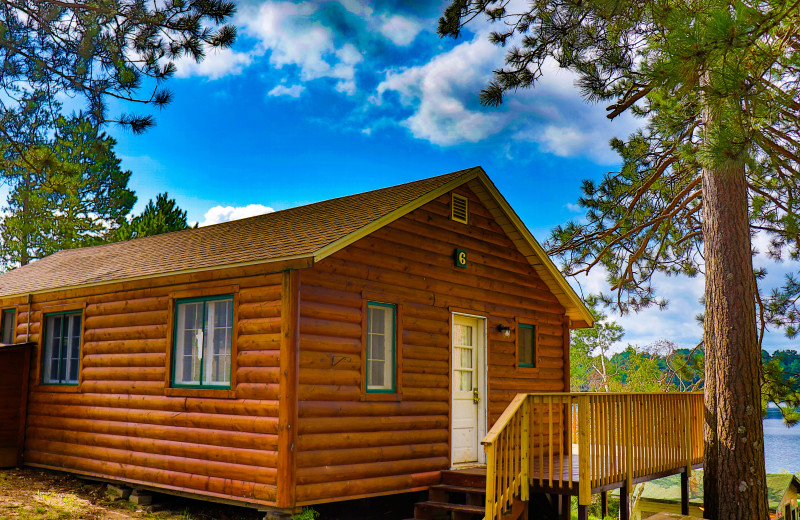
(8, 326)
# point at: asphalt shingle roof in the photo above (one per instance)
(288, 233)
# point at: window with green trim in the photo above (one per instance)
(62, 348)
(201, 354)
(380, 347)
(526, 345)
(7, 326)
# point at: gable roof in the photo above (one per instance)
(312, 232)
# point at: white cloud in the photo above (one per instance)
(217, 63)
(291, 36)
(282, 90)
(219, 214)
(443, 96)
(399, 29)
(437, 91)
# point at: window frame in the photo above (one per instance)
(368, 297)
(534, 347)
(176, 302)
(393, 357)
(43, 343)
(5, 312)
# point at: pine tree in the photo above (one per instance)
(67, 191)
(717, 84)
(114, 49)
(161, 216)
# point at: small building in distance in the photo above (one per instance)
(664, 495)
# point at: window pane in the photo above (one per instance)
(8, 327)
(52, 348)
(72, 341)
(380, 347)
(466, 381)
(189, 339)
(219, 317)
(526, 345)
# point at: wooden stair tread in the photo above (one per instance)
(458, 508)
(459, 489)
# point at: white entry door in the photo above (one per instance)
(468, 423)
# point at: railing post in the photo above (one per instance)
(687, 432)
(629, 439)
(525, 443)
(491, 478)
(584, 468)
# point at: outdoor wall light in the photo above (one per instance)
(504, 330)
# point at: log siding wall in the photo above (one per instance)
(123, 422)
(351, 444)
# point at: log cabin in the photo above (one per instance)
(351, 348)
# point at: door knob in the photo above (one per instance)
(475, 397)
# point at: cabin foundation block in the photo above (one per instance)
(118, 491)
(140, 498)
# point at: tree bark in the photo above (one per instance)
(734, 480)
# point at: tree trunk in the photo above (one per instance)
(734, 480)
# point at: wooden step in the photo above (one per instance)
(455, 508)
(467, 490)
(473, 477)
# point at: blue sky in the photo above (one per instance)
(322, 99)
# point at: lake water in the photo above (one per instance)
(781, 444)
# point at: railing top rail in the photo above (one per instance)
(509, 412)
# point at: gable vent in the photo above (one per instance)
(459, 209)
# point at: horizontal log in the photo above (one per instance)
(248, 457)
(429, 381)
(200, 436)
(370, 409)
(439, 352)
(184, 482)
(371, 424)
(426, 394)
(260, 325)
(330, 311)
(127, 306)
(258, 375)
(425, 339)
(125, 346)
(132, 373)
(325, 275)
(123, 387)
(330, 344)
(315, 293)
(126, 333)
(369, 470)
(261, 309)
(258, 358)
(328, 392)
(386, 454)
(329, 328)
(161, 402)
(425, 366)
(258, 342)
(327, 360)
(257, 391)
(330, 376)
(322, 441)
(131, 319)
(314, 493)
(124, 360)
(266, 425)
(270, 291)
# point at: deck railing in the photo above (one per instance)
(590, 440)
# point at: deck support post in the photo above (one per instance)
(565, 507)
(603, 504)
(583, 512)
(624, 503)
(685, 493)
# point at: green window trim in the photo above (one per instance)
(390, 361)
(8, 320)
(205, 347)
(62, 379)
(531, 346)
